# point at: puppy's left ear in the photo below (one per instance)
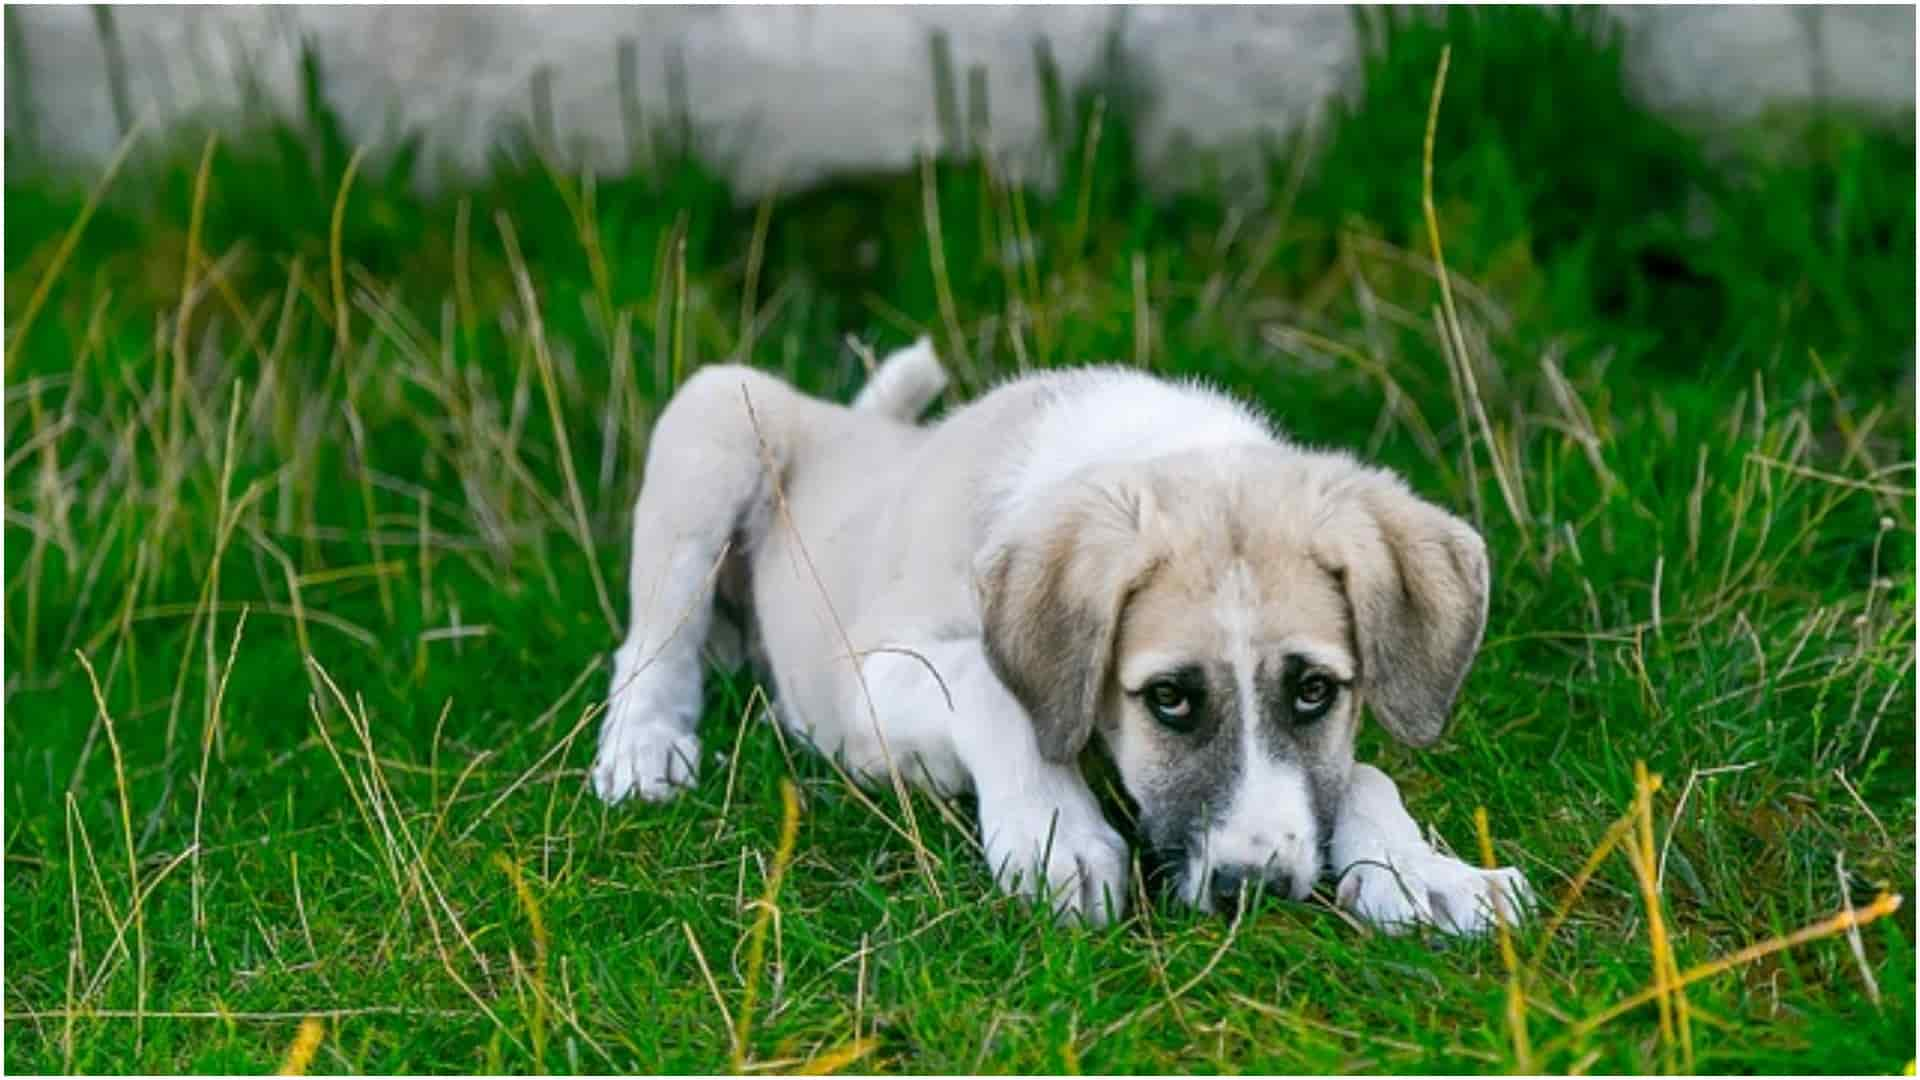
(1051, 589)
(1417, 583)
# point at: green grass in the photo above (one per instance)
(348, 626)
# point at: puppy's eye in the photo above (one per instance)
(1313, 696)
(1171, 704)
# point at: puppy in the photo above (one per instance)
(1078, 555)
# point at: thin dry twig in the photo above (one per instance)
(134, 898)
(1673, 826)
(1854, 943)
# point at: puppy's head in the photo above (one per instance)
(1218, 617)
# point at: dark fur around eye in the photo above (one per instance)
(1176, 700)
(1312, 695)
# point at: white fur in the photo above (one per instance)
(647, 742)
(1390, 876)
(1268, 821)
(1039, 822)
(865, 535)
(905, 383)
(1107, 416)
(898, 714)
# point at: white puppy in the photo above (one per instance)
(1076, 554)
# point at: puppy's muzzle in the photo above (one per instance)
(1227, 884)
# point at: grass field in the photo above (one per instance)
(316, 506)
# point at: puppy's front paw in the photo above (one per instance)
(654, 761)
(1079, 862)
(1424, 887)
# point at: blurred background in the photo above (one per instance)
(790, 95)
(334, 337)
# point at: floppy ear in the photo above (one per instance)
(1416, 580)
(1051, 592)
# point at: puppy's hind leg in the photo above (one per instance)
(706, 483)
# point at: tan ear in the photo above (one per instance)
(1051, 592)
(1417, 582)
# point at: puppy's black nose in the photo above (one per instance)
(1226, 883)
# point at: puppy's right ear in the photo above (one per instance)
(1417, 583)
(1051, 591)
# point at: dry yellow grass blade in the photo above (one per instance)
(942, 284)
(1614, 834)
(1516, 993)
(563, 442)
(757, 936)
(189, 295)
(838, 1058)
(134, 896)
(1674, 1020)
(68, 242)
(334, 259)
(538, 975)
(1884, 905)
(1454, 342)
(306, 1043)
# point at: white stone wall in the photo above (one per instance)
(797, 93)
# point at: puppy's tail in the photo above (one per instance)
(907, 382)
